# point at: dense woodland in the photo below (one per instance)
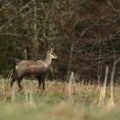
(84, 33)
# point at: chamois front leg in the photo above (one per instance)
(39, 81)
(43, 84)
(43, 81)
(19, 82)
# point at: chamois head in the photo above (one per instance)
(51, 54)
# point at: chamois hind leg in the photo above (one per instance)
(12, 82)
(19, 83)
(14, 78)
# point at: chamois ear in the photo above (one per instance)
(51, 49)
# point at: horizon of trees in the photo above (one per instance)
(85, 34)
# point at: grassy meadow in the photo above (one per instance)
(58, 102)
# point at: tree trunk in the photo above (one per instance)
(35, 42)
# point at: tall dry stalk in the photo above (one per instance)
(2, 85)
(28, 90)
(99, 67)
(13, 92)
(70, 87)
(3, 81)
(111, 101)
(103, 89)
(31, 100)
(26, 95)
(70, 60)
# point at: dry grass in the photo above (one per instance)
(53, 103)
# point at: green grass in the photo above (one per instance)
(55, 104)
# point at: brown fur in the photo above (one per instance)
(37, 69)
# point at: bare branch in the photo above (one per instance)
(5, 6)
(9, 21)
(13, 34)
(112, 6)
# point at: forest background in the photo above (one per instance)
(84, 33)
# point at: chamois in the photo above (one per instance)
(30, 68)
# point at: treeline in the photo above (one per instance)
(85, 34)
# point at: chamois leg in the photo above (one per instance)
(12, 82)
(43, 84)
(19, 83)
(43, 81)
(14, 78)
(39, 81)
(39, 84)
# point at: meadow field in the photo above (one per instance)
(57, 102)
